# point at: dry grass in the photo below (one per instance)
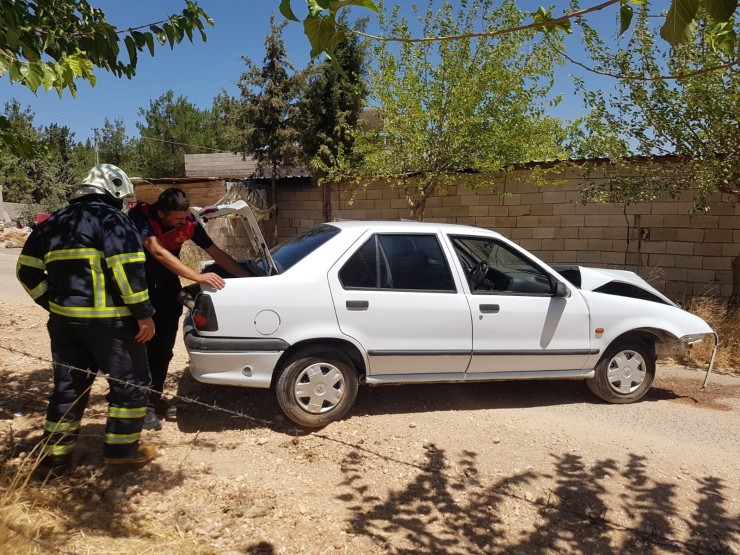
(727, 325)
(41, 514)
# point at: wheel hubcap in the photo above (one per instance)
(319, 388)
(626, 371)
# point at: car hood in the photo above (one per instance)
(593, 278)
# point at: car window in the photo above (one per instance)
(296, 248)
(396, 261)
(491, 266)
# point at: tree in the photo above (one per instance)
(262, 120)
(449, 107)
(329, 110)
(41, 181)
(324, 31)
(173, 127)
(55, 44)
(694, 120)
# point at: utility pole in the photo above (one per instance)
(95, 130)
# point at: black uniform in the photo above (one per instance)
(85, 265)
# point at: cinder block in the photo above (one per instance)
(692, 235)
(543, 233)
(567, 220)
(716, 263)
(678, 247)
(523, 210)
(542, 210)
(527, 221)
(718, 235)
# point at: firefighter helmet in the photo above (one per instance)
(105, 179)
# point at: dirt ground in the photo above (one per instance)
(538, 467)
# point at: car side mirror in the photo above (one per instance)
(561, 290)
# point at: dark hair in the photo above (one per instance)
(172, 199)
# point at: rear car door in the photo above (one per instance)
(397, 296)
(519, 325)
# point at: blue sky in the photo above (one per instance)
(199, 71)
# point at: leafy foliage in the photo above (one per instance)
(324, 32)
(329, 109)
(53, 45)
(695, 119)
(261, 122)
(41, 181)
(173, 127)
(448, 107)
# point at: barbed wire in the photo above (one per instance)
(653, 539)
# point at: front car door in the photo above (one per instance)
(519, 324)
(397, 296)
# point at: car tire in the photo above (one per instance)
(315, 389)
(625, 372)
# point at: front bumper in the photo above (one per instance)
(243, 362)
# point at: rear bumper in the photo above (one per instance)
(243, 362)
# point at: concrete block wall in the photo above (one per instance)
(218, 164)
(679, 253)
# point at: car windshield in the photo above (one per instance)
(295, 249)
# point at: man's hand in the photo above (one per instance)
(214, 280)
(146, 330)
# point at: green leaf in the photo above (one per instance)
(149, 39)
(287, 10)
(131, 47)
(334, 7)
(74, 66)
(34, 76)
(625, 18)
(320, 31)
(169, 31)
(720, 10)
(314, 9)
(49, 76)
(679, 22)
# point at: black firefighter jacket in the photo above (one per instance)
(85, 263)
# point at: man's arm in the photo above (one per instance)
(226, 262)
(176, 266)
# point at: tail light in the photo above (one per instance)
(204, 315)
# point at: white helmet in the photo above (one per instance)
(105, 179)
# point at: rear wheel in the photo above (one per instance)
(625, 372)
(317, 388)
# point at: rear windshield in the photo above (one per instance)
(296, 248)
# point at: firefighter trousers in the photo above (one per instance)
(79, 352)
(159, 350)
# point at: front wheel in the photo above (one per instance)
(316, 389)
(625, 372)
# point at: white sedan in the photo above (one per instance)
(358, 302)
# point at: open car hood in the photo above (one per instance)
(593, 278)
(241, 208)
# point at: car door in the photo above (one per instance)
(397, 296)
(519, 323)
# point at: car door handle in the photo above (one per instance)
(489, 308)
(358, 305)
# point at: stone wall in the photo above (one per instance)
(679, 253)
(218, 164)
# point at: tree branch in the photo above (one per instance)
(538, 25)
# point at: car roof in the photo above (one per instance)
(410, 226)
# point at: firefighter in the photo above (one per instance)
(164, 226)
(85, 265)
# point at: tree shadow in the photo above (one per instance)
(439, 511)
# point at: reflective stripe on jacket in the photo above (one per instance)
(86, 263)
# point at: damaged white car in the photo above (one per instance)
(388, 302)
